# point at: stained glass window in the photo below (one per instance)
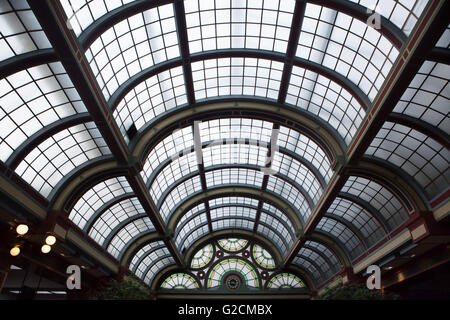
(232, 244)
(285, 280)
(180, 281)
(202, 257)
(263, 257)
(250, 276)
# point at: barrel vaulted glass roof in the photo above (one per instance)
(171, 121)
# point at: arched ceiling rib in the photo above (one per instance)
(274, 226)
(330, 70)
(272, 202)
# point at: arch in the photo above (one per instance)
(399, 183)
(71, 189)
(350, 226)
(94, 195)
(271, 198)
(156, 130)
(330, 264)
(106, 21)
(142, 257)
(362, 222)
(138, 244)
(223, 168)
(236, 233)
(122, 225)
(26, 60)
(345, 236)
(368, 207)
(160, 276)
(416, 153)
(182, 272)
(387, 27)
(28, 103)
(165, 259)
(304, 275)
(334, 245)
(43, 134)
(282, 151)
(251, 267)
(323, 275)
(270, 229)
(154, 70)
(306, 264)
(91, 222)
(135, 228)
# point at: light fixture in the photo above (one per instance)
(50, 240)
(15, 251)
(46, 248)
(22, 229)
(388, 268)
(413, 255)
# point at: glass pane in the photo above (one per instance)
(97, 196)
(285, 280)
(309, 268)
(59, 155)
(113, 216)
(169, 147)
(318, 261)
(20, 30)
(306, 148)
(326, 99)
(262, 257)
(335, 265)
(237, 76)
(171, 174)
(295, 170)
(360, 218)
(428, 96)
(347, 45)
(180, 281)
(82, 13)
(149, 99)
(379, 197)
(178, 195)
(33, 99)
(353, 245)
(133, 45)
(403, 13)
(237, 24)
(420, 156)
(143, 252)
(291, 194)
(248, 273)
(202, 257)
(129, 232)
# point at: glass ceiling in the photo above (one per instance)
(32, 99)
(133, 45)
(20, 30)
(329, 71)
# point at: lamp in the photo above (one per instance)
(22, 229)
(50, 240)
(15, 251)
(46, 248)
